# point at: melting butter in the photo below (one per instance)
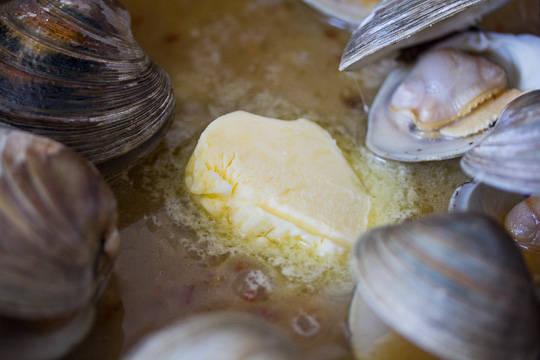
(277, 179)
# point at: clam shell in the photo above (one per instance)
(72, 71)
(222, 335)
(396, 24)
(509, 158)
(58, 221)
(453, 284)
(42, 341)
(497, 203)
(478, 197)
(389, 140)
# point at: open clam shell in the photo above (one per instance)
(515, 211)
(226, 336)
(72, 71)
(509, 158)
(388, 137)
(396, 24)
(453, 284)
(482, 198)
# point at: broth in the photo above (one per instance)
(275, 58)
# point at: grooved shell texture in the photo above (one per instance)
(58, 222)
(453, 284)
(395, 24)
(509, 158)
(72, 71)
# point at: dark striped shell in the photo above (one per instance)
(71, 70)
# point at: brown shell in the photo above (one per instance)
(58, 220)
(72, 71)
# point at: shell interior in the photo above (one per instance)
(387, 136)
(478, 197)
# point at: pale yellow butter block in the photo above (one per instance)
(283, 180)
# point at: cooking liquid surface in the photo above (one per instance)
(274, 58)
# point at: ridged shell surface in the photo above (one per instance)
(395, 24)
(72, 71)
(453, 284)
(58, 221)
(509, 158)
(398, 142)
(221, 335)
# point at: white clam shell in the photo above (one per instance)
(221, 335)
(386, 139)
(478, 197)
(497, 203)
(453, 284)
(396, 24)
(509, 158)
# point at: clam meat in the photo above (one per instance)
(455, 285)
(509, 161)
(517, 213)
(58, 245)
(72, 71)
(450, 99)
(523, 223)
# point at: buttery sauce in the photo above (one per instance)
(274, 58)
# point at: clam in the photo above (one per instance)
(72, 71)
(444, 103)
(396, 24)
(220, 335)
(518, 213)
(442, 106)
(455, 285)
(509, 158)
(58, 244)
(344, 13)
(506, 170)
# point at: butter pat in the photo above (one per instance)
(279, 180)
